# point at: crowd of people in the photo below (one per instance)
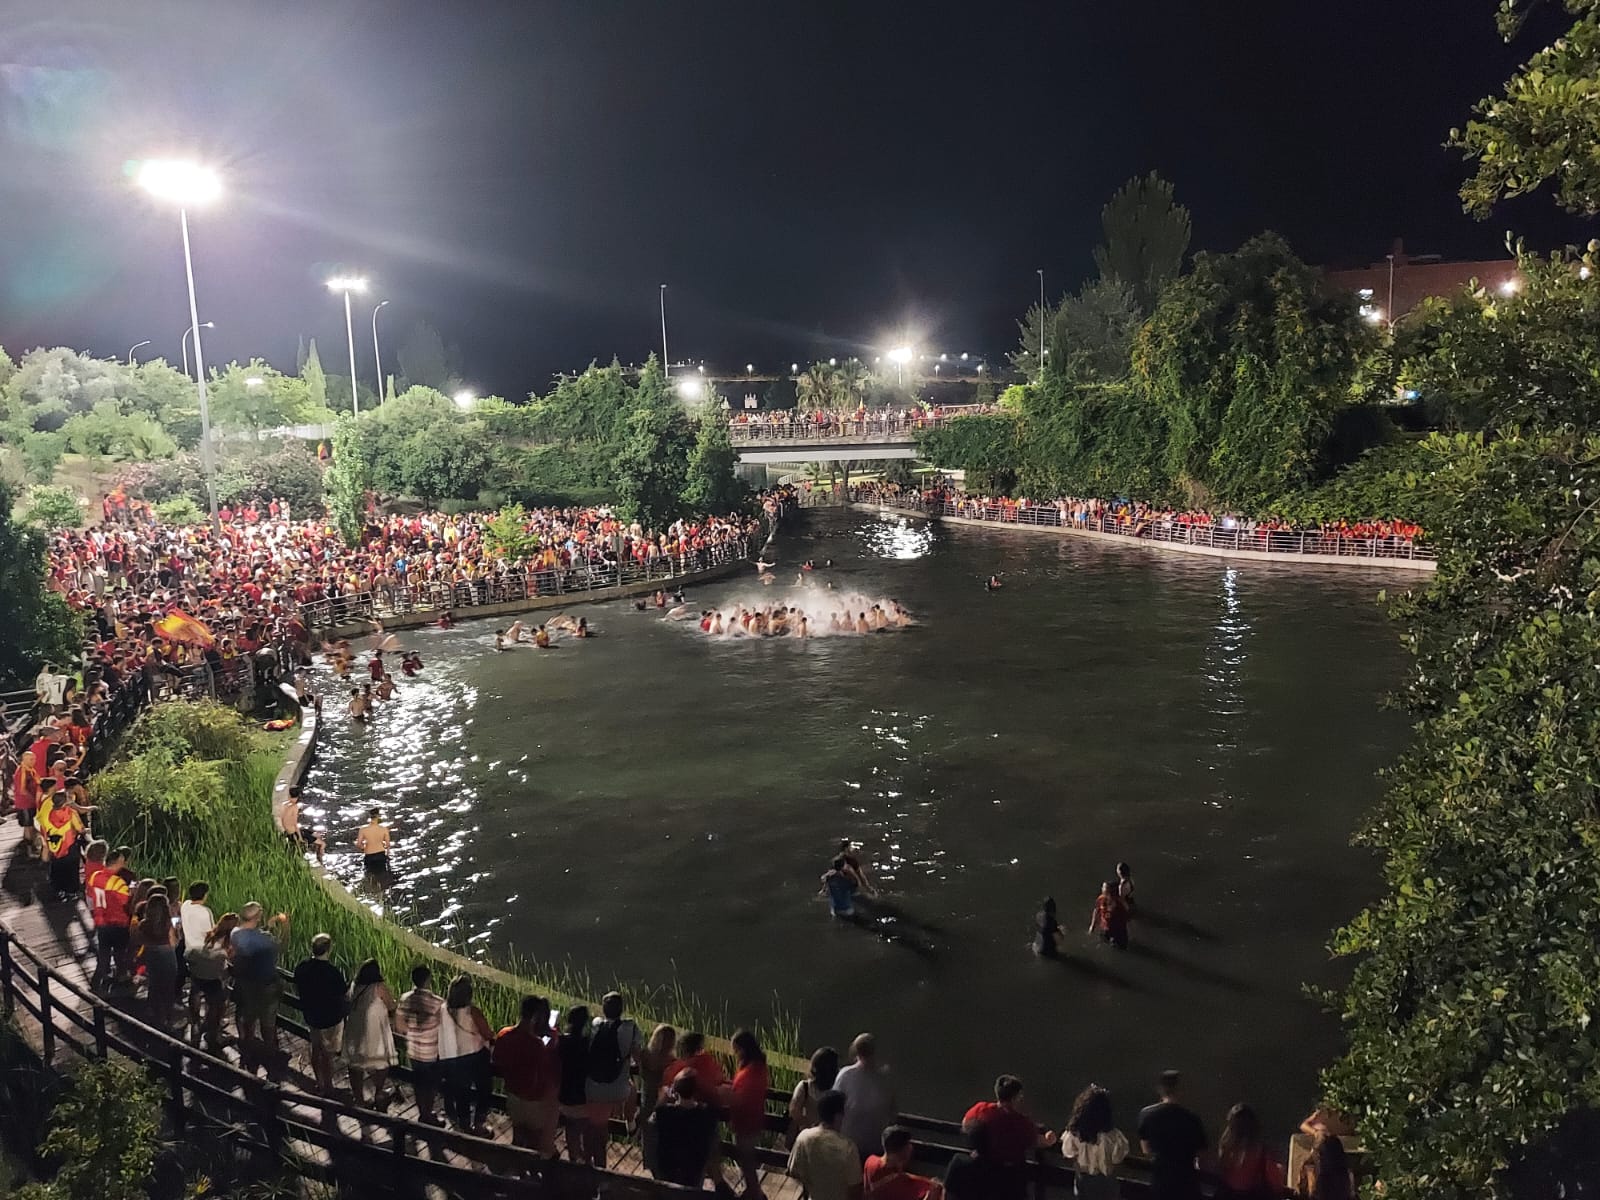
(1134, 518)
(821, 422)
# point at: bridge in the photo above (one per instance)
(784, 437)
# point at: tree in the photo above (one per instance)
(38, 625)
(348, 480)
(425, 360)
(711, 485)
(1542, 129)
(315, 379)
(1146, 236)
(54, 508)
(1246, 359)
(506, 534)
(168, 397)
(653, 465)
(104, 1134)
(254, 397)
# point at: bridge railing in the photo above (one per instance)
(577, 581)
(840, 426)
(1219, 537)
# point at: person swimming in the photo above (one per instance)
(541, 639)
(582, 630)
(386, 687)
(446, 621)
(410, 663)
(639, 606)
(861, 623)
(358, 705)
(994, 584)
(514, 634)
(499, 639)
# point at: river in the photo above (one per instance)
(653, 804)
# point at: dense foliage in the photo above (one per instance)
(103, 1136)
(37, 623)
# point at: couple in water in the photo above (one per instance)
(844, 878)
(1112, 909)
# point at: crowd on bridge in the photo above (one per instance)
(802, 422)
(1136, 518)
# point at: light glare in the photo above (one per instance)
(183, 183)
(347, 283)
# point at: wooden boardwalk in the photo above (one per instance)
(61, 935)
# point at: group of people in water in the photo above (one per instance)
(1109, 918)
(542, 638)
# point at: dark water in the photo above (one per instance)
(651, 802)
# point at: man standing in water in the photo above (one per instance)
(854, 868)
(372, 839)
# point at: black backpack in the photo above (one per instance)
(605, 1053)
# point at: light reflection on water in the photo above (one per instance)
(654, 803)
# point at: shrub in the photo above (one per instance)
(54, 508)
(41, 454)
(104, 1134)
(194, 729)
(163, 801)
(179, 510)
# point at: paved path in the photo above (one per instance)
(62, 935)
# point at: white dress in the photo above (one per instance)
(368, 1035)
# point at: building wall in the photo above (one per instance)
(1414, 282)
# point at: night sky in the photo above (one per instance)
(808, 178)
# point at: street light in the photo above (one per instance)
(377, 359)
(1042, 349)
(464, 399)
(900, 356)
(666, 363)
(348, 284)
(749, 368)
(691, 388)
(146, 342)
(794, 368)
(254, 381)
(185, 184)
(183, 342)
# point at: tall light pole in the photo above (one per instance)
(186, 183)
(183, 342)
(900, 356)
(1390, 309)
(134, 347)
(666, 363)
(377, 359)
(1041, 325)
(348, 284)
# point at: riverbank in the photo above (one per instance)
(1412, 565)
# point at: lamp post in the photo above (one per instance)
(1042, 350)
(900, 356)
(134, 347)
(377, 359)
(348, 284)
(184, 184)
(183, 342)
(666, 363)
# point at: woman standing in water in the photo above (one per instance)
(1110, 919)
(1047, 932)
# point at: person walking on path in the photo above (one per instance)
(1174, 1139)
(418, 1018)
(825, 1160)
(868, 1090)
(368, 1043)
(468, 1073)
(322, 990)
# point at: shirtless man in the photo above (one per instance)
(358, 705)
(386, 687)
(372, 839)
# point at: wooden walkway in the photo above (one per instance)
(62, 936)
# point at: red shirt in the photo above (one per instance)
(108, 897)
(530, 1066)
(708, 1075)
(747, 1111)
(883, 1182)
(1012, 1135)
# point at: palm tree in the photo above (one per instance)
(818, 387)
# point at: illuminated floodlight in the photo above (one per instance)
(900, 355)
(833, 362)
(347, 283)
(702, 368)
(1371, 315)
(749, 368)
(183, 183)
(794, 368)
(980, 368)
(1509, 287)
(254, 381)
(690, 389)
(464, 399)
(963, 356)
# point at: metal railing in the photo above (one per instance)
(804, 427)
(577, 581)
(281, 1123)
(1235, 538)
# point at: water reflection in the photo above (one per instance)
(895, 537)
(1224, 672)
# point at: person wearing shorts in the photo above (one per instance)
(321, 987)
(372, 839)
(256, 986)
(525, 1057)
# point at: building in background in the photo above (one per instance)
(1399, 282)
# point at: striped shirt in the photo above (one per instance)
(419, 1015)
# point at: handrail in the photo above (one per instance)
(262, 1114)
(1236, 539)
(578, 581)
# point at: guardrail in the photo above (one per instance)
(576, 581)
(1218, 537)
(269, 1117)
(838, 426)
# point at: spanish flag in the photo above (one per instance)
(178, 626)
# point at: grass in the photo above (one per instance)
(240, 854)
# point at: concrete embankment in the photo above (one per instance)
(1412, 565)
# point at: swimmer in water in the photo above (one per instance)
(661, 599)
(808, 565)
(678, 613)
(861, 623)
(499, 639)
(386, 687)
(514, 634)
(994, 584)
(716, 626)
(705, 621)
(763, 565)
(358, 705)
(804, 629)
(542, 638)
(638, 606)
(583, 628)
(446, 621)
(410, 664)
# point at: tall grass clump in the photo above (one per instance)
(191, 794)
